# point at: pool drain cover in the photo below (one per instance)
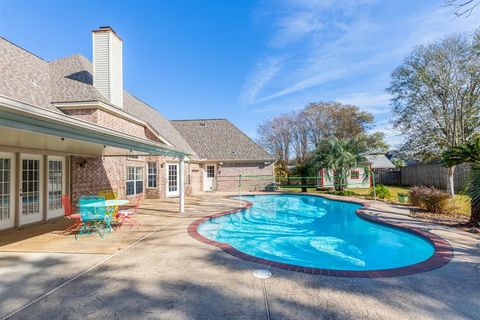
(262, 274)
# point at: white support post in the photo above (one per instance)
(181, 185)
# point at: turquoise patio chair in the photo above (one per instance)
(95, 218)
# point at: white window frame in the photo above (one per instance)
(9, 222)
(57, 212)
(135, 180)
(154, 175)
(134, 157)
(168, 192)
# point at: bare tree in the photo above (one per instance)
(334, 119)
(463, 8)
(436, 95)
(275, 135)
(342, 121)
(300, 136)
(301, 146)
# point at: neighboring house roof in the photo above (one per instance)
(32, 80)
(380, 161)
(219, 139)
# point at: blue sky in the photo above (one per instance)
(243, 60)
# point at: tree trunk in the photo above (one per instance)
(339, 184)
(475, 214)
(450, 183)
(304, 183)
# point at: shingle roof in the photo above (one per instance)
(24, 76)
(141, 110)
(219, 139)
(380, 161)
(72, 80)
(32, 80)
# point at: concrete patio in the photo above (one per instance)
(159, 272)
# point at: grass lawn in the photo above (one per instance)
(461, 203)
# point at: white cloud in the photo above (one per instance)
(393, 137)
(305, 84)
(375, 103)
(263, 72)
(337, 40)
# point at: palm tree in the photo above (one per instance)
(339, 157)
(468, 152)
(304, 170)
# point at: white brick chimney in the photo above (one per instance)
(108, 65)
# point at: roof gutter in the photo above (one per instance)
(18, 115)
(97, 104)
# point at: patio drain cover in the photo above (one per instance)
(262, 274)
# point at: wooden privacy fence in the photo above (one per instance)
(388, 177)
(433, 175)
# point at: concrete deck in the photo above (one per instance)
(160, 272)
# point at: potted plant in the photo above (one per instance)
(402, 197)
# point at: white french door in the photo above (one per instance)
(56, 186)
(209, 178)
(7, 190)
(172, 180)
(31, 200)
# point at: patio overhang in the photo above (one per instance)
(30, 127)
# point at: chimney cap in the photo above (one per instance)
(107, 29)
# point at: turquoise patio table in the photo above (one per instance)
(106, 203)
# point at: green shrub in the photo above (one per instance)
(431, 199)
(402, 197)
(381, 191)
(345, 193)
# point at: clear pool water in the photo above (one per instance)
(315, 232)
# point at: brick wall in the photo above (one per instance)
(228, 176)
(90, 115)
(111, 121)
(90, 175)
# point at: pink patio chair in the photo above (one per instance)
(69, 214)
(125, 214)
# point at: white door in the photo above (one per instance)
(209, 181)
(172, 180)
(7, 190)
(56, 186)
(31, 201)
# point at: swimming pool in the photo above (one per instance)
(317, 233)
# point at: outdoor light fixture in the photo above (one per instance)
(83, 163)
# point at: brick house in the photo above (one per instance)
(68, 127)
(226, 154)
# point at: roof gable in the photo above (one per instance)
(29, 79)
(380, 161)
(219, 139)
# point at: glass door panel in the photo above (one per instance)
(172, 179)
(7, 181)
(31, 189)
(56, 186)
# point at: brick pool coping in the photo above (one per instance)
(443, 251)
